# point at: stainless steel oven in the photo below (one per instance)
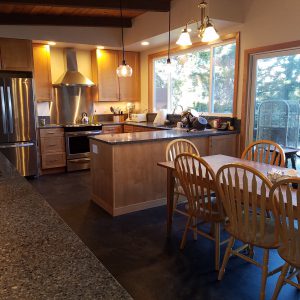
(78, 146)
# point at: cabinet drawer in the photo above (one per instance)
(128, 128)
(55, 144)
(49, 132)
(112, 129)
(56, 160)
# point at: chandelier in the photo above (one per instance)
(206, 30)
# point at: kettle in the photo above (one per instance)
(84, 118)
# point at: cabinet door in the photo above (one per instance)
(16, 55)
(42, 72)
(112, 129)
(130, 86)
(104, 66)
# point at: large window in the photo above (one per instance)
(202, 79)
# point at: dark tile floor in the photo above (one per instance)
(135, 250)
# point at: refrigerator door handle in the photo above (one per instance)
(4, 121)
(11, 123)
(17, 145)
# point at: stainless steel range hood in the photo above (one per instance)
(72, 77)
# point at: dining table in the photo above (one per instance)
(215, 162)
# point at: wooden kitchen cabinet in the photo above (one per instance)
(109, 87)
(16, 55)
(130, 86)
(136, 128)
(42, 72)
(112, 129)
(104, 66)
(52, 148)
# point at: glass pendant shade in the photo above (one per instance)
(184, 39)
(209, 34)
(124, 70)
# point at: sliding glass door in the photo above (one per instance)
(275, 97)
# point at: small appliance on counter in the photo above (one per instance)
(138, 118)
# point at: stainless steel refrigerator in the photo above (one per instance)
(17, 122)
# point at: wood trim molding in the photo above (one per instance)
(246, 80)
(232, 36)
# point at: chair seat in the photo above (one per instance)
(285, 253)
(269, 241)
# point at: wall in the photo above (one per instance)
(266, 22)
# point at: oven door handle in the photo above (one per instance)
(83, 133)
(79, 160)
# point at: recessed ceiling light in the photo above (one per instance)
(100, 47)
(145, 43)
(51, 43)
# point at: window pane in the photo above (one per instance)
(161, 79)
(189, 82)
(223, 78)
(277, 96)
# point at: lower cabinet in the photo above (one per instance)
(52, 148)
(136, 128)
(112, 129)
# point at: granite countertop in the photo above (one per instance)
(152, 136)
(41, 257)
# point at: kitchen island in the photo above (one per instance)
(125, 175)
(41, 257)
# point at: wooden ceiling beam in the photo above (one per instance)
(149, 5)
(63, 20)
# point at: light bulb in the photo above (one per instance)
(184, 39)
(210, 34)
(124, 70)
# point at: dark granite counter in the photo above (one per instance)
(152, 136)
(41, 257)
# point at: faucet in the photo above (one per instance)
(178, 105)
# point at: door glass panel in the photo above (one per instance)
(79, 144)
(276, 98)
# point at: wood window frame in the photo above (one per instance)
(246, 103)
(225, 38)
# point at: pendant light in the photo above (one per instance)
(169, 42)
(123, 69)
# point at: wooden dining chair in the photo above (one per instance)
(244, 193)
(174, 148)
(199, 184)
(286, 201)
(265, 151)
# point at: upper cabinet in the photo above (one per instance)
(16, 55)
(108, 86)
(42, 72)
(104, 65)
(130, 86)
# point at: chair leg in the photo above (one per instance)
(195, 228)
(188, 224)
(176, 198)
(280, 281)
(217, 246)
(226, 257)
(298, 277)
(264, 274)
